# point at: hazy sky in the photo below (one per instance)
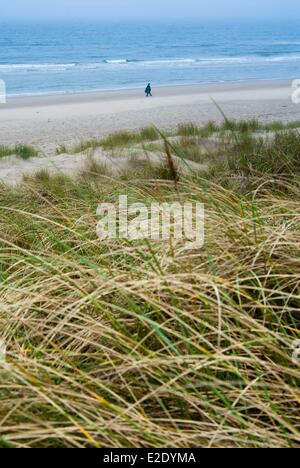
(131, 9)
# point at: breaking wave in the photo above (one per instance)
(180, 62)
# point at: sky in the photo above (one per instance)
(152, 9)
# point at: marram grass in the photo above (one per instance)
(21, 151)
(146, 344)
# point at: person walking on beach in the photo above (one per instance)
(148, 90)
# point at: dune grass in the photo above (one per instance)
(22, 151)
(149, 134)
(115, 140)
(241, 126)
(246, 160)
(192, 130)
(145, 343)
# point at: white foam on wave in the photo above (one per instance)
(180, 62)
(116, 62)
(284, 58)
(11, 67)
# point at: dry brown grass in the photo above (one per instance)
(148, 344)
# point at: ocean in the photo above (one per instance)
(38, 59)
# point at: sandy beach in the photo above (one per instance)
(49, 121)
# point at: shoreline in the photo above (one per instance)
(159, 90)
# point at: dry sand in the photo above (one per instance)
(13, 169)
(50, 121)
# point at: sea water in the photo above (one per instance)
(49, 58)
